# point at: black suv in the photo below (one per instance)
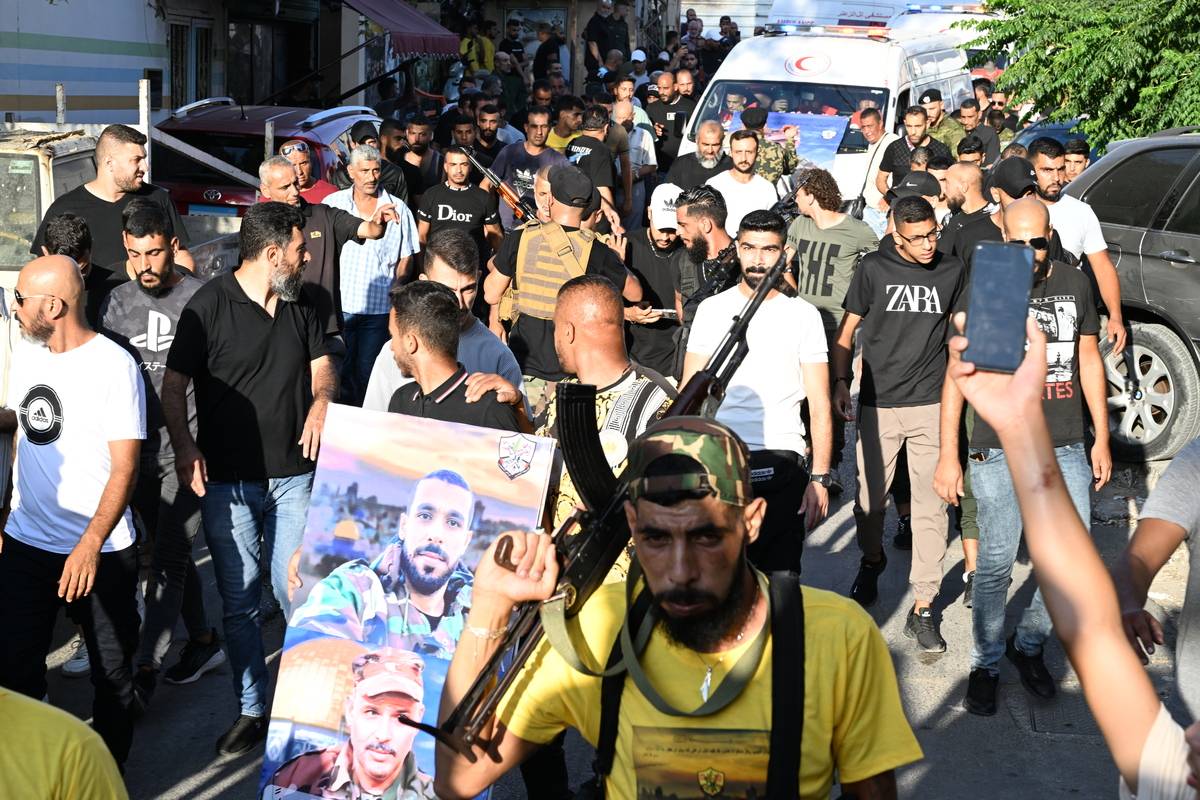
(1146, 193)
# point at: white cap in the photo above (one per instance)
(662, 206)
(638, 55)
(664, 56)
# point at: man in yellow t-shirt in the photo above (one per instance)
(51, 755)
(692, 516)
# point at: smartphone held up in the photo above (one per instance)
(998, 305)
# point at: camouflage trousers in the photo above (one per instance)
(540, 394)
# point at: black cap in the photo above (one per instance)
(754, 118)
(1014, 176)
(569, 186)
(363, 130)
(593, 204)
(930, 96)
(915, 184)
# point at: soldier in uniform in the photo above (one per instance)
(536, 261)
(774, 160)
(416, 594)
(376, 761)
(943, 127)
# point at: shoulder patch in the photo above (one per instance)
(314, 235)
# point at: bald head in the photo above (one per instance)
(589, 321)
(48, 301)
(969, 175)
(964, 187)
(54, 275)
(1026, 218)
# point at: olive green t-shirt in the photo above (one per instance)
(825, 261)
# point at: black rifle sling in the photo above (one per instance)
(611, 687)
(787, 690)
(787, 686)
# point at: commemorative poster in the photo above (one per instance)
(402, 509)
(818, 136)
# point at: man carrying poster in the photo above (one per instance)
(376, 760)
(415, 594)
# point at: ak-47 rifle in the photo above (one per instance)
(520, 208)
(585, 557)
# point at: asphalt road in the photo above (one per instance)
(1030, 749)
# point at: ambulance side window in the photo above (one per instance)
(902, 102)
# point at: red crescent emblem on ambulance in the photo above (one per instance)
(805, 66)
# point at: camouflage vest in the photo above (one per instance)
(547, 257)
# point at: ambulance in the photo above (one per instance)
(843, 69)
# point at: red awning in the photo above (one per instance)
(413, 34)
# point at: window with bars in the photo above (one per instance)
(190, 44)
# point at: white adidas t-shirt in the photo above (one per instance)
(762, 402)
(1077, 226)
(69, 407)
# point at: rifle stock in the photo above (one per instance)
(586, 557)
(520, 208)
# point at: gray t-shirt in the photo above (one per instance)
(479, 350)
(1174, 500)
(145, 326)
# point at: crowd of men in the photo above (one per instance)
(408, 282)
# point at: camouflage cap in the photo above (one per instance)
(721, 455)
(389, 670)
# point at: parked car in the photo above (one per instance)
(1060, 132)
(235, 134)
(1146, 193)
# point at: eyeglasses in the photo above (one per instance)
(21, 298)
(293, 147)
(997, 103)
(1037, 242)
(930, 237)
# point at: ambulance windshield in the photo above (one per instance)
(724, 101)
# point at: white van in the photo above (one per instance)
(839, 70)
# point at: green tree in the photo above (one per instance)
(1131, 67)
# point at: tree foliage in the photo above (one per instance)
(1129, 67)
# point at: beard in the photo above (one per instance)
(130, 184)
(708, 163)
(157, 290)
(38, 331)
(286, 285)
(703, 632)
(1041, 265)
(418, 148)
(424, 580)
(698, 251)
(1052, 193)
(754, 276)
(487, 136)
(955, 204)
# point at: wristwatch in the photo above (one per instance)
(823, 479)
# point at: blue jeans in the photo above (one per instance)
(245, 523)
(365, 335)
(999, 535)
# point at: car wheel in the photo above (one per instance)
(1153, 394)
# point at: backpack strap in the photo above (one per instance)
(787, 686)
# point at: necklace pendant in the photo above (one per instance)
(706, 684)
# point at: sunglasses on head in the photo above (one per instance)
(293, 147)
(1037, 242)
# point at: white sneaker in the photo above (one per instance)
(77, 665)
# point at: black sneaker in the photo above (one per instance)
(903, 538)
(981, 692)
(144, 683)
(195, 660)
(923, 627)
(1032, 669)
(969, 590)
(865, 590)
(245, 734)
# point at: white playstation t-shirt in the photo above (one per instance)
(762, 401)
(69, 407)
